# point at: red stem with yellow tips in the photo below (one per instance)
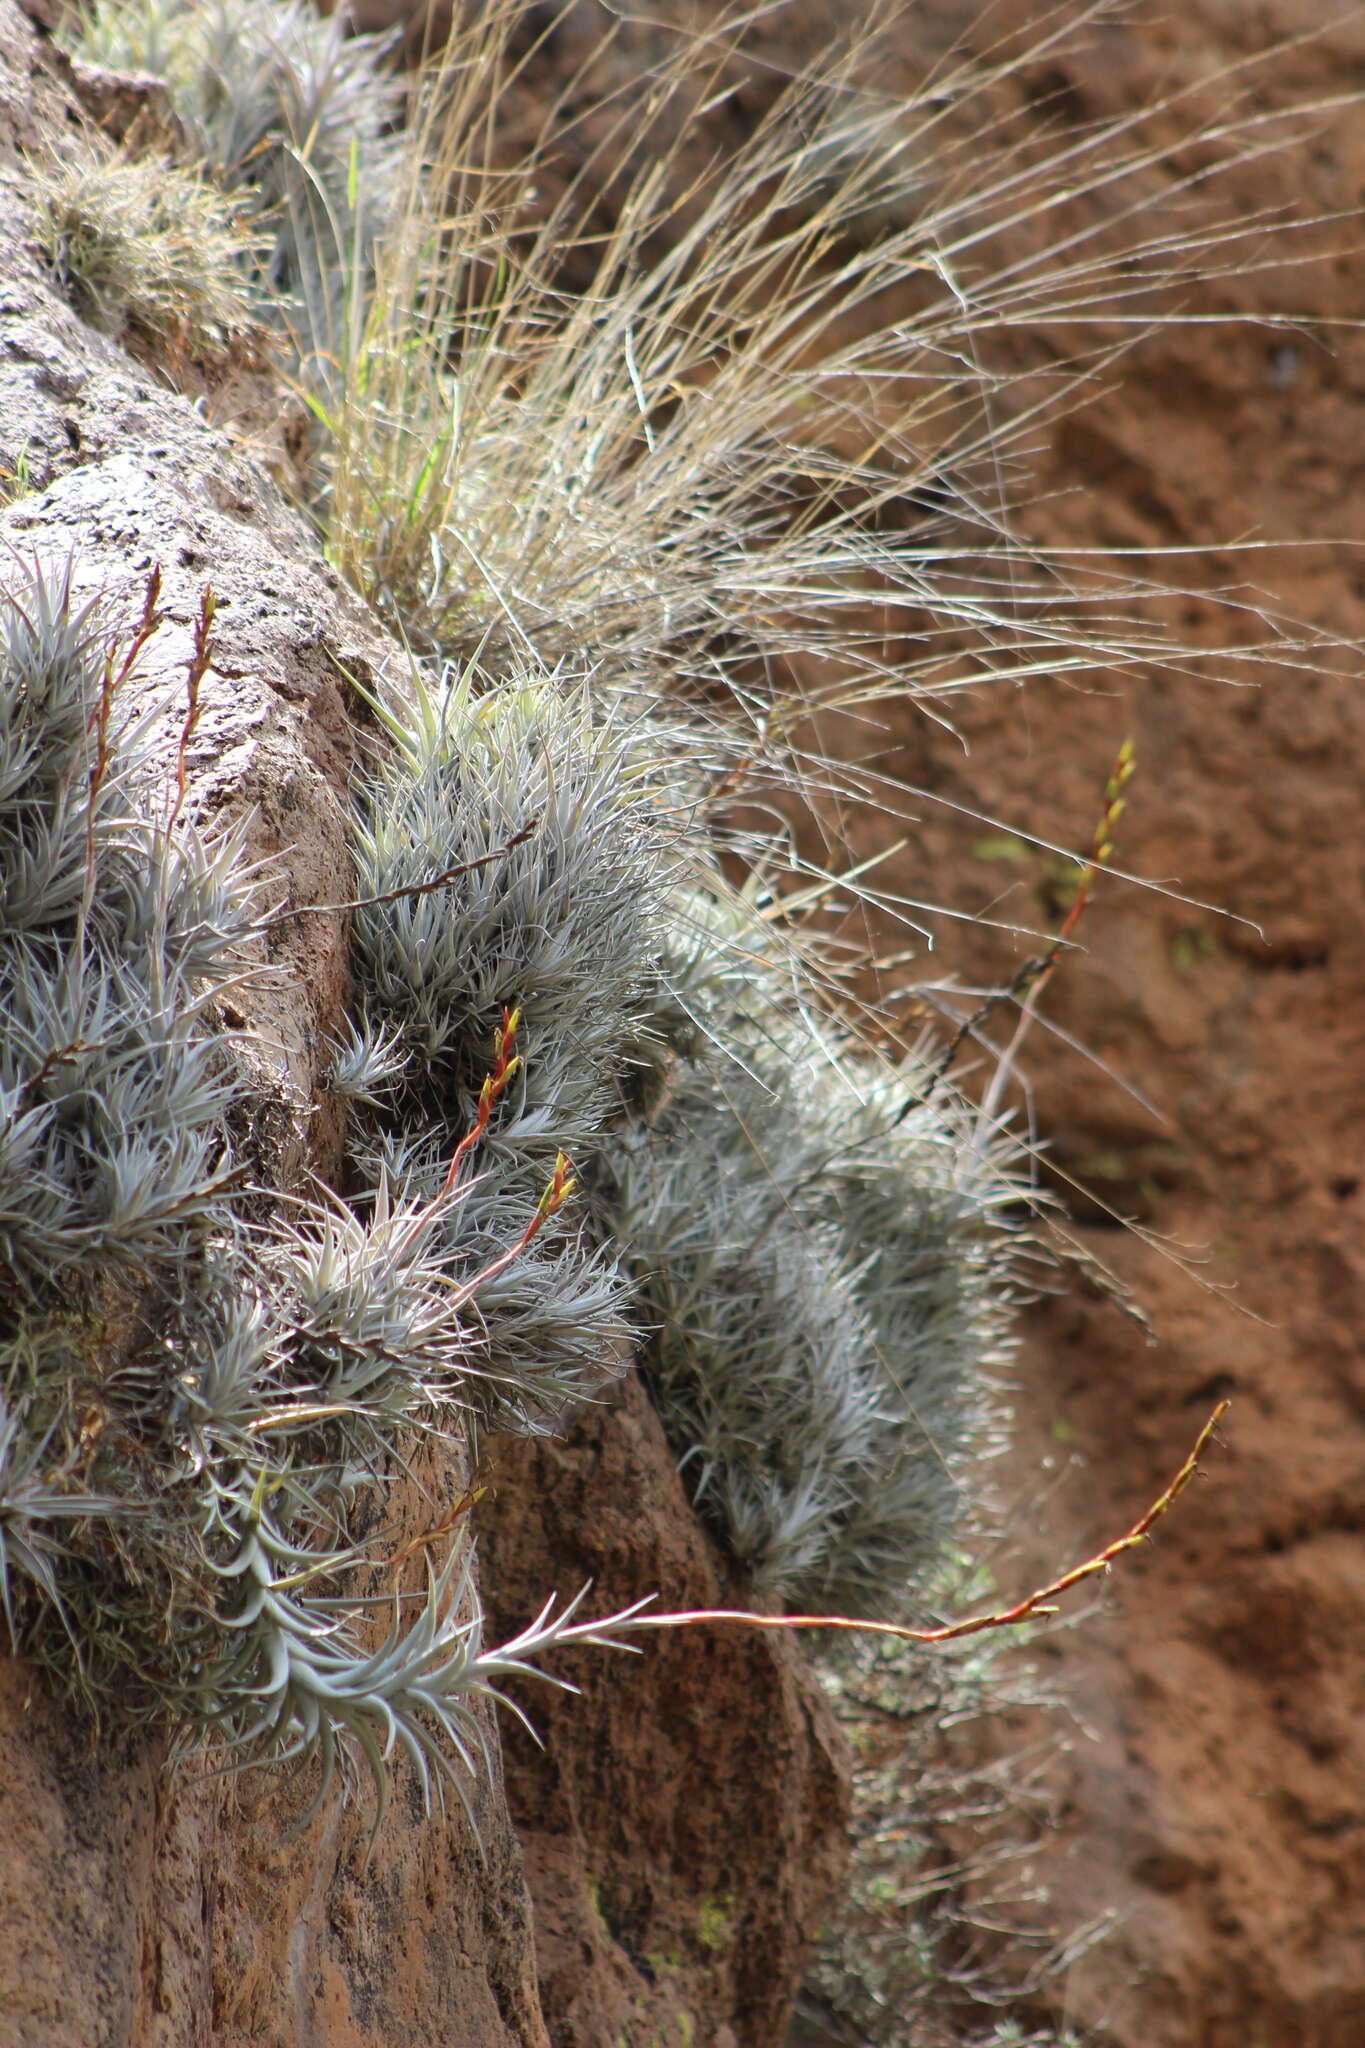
(1039, 1602)
(197, 669)
(556, 1194)
(505, 1064)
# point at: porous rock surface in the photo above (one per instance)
(148, 1907)
(684, 1815)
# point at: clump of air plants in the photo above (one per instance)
(681, 483)
(119, 930)
(198, 1376)
(826, 1267)
(823, 1270)
(149, 251)
(512, 848)
(297, 119)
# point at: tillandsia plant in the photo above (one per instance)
(544, 822)
(828, 1263)
(199, 1375)
(621, 527)
(818, 1241)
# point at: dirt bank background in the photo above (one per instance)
(1219, 1805)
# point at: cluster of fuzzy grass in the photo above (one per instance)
(295, 119)
(195, 1377)
(150, 251)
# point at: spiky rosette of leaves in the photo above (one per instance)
(117, 936)
(52, 654)
(555, 1329)
(296, 1679)
(373, 1324)
(541, 1332)
(512, 836)
(543, 814)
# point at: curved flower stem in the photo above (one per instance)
(1039, 1602)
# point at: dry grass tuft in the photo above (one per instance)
(150, 252)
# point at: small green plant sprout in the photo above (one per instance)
(17, 478)
(149, 251)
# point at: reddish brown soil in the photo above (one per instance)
(1220, 1806)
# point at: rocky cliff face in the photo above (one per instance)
(684, 1817)
(1215, 1800)
(145, 1905)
